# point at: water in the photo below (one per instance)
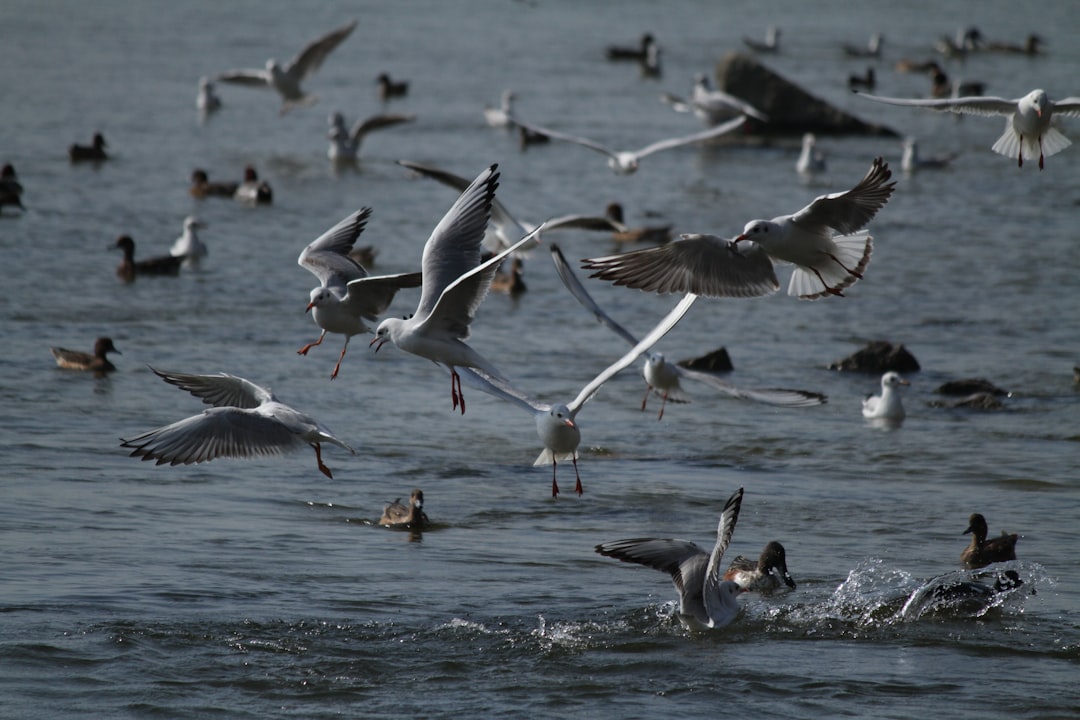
(258, 588)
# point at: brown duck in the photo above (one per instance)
(981, 552)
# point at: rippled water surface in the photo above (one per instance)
(262, 588)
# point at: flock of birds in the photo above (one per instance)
(827, 242)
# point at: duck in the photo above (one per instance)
(96, 362)
(942, 87)
(872, 49)
(95, 152)
(1031, 46)
(867, 80)
(201, 187)
(511, 283)
(981, 552)
(528, 136)
(128, 268)
(389, 88)
(651, 235)
(765, 574)
(888, 405)
(639, 53)
(812, 159)
(10, 189)
(188, 246)
(397, 514)
(253, 191)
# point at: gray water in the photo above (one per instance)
(262, 588)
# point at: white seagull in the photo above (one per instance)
(705, 598)
(347, 295)
(664, 378)
(556, 425)
(206, 101)
(286, 80)
(507, 229)
(1028, 132)
(345, 142)
(811, 158)
(887, 405)
(503, 115)
(715, 267)
(770, 44)
(712, 106)
(912, 161)
(625, 162)
(246, 421)
(188, 245)
(455, 282)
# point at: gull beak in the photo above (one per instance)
(309, 306)
(569, 422)
(374, 340)
(744, 236)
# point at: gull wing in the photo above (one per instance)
(666, 555)
(973, 105)
(848, 212)
(251, 78)
(578, 291)
(369, 297)
(375, 122)
(715, 131)
(770, 396)
(728, 517)
(327, 257)
(221, 390)
(218, 432)
(1068, 107)
(311, 57)
(556, 135)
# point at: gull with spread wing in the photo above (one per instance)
(246, 421)
(286, 80)
(663, 377)
(345, 142)
(625, 162)
(455, 282)
(1028, 132)
(705, 598)
(347, 295)
(825, 241)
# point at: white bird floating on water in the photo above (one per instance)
(826, 262)
(455, 282)
(811, 158)
(501, 116)
(664, 378)
(347, 295)
(888, 405)
(207, 101)
(1028, 132)
(188, 245)
(625, 162)
(286, 80)
(246, 421)
(705, 598)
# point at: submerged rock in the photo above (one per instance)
(975, 401)
(791, 110)
(971, 386)
(879, 356)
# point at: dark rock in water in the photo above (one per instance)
(879, 356)
(971, 386)
(791, 110)
(975, 401)
(716, 361)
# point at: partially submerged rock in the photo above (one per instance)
(975, 401)
(716, 361)
(879, 356)
(791, 110)
(971, 386)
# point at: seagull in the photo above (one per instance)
(981, 552)
(771, 43)
(626, 162)
(912, 162)
(96, 362)
(345, 143)
(811, 158)
(10, 188)
(286, 80)
(397, 514)
(888, 405)
(705, 599)
(455, 282)
(207, 101)
(347, 295)
(503, 115)
(507, 229)
(188, 246)
(712, 106)
(246, 420)
(664, 378)
(872, 49)
(764, 574)
(715, 267)
(1028, 131)
(556, 425)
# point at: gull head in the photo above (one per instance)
(385, 332)
(893, 379)
(1037, 100)
(557, 430)
(319, 296)
(192, 223)
(760, 231)
(624, 163)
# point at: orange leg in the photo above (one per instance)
(648, 389)
(830, 290)
(455, 390)
(318, 458)
(554, 483)
(663, 404)
(303, 350)
(577, 487)
(853, 272)
(340, 358)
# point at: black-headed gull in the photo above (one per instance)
(345, 142)
(506, 229)
(10, 188)
(246, 421)
(765, 574)
(129, 268)
(887, 405)
(705, 598)
(981, 552)
(712, 106)
(96, 362)
(664, 378)
(347, 295)
(95, 152)
(501, 116)
(286, 80)
(556, 425)
(188, 246)
(1028, 132)
(207, 101)
(812, 159)
(455, 282)
(398, 514)
(625, 162)
(912, 161)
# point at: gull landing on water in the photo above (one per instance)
(887, 405)
(455, 282)
(345, 142)
(1028, 132)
